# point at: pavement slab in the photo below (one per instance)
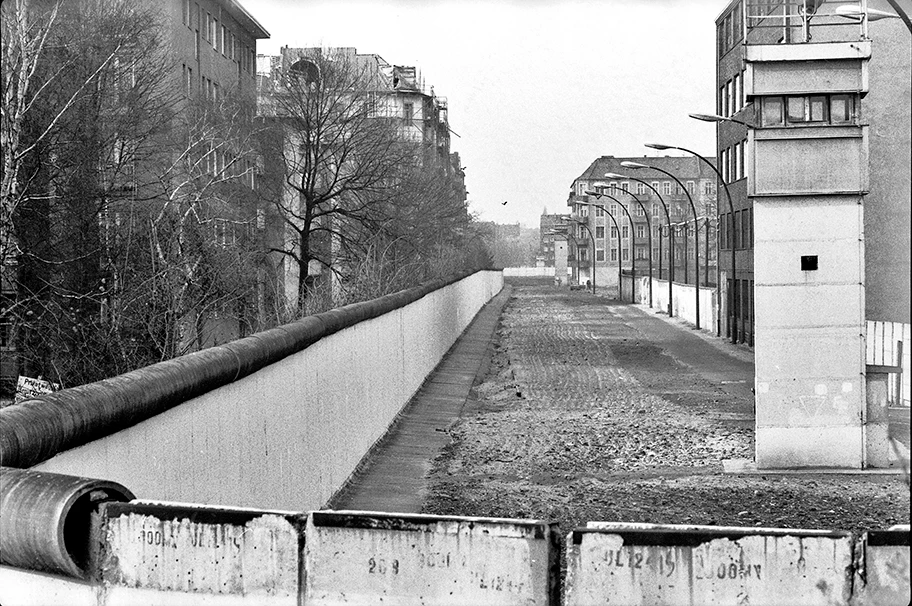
(393, 476)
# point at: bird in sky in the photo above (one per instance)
(504, 202)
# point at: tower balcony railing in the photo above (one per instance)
(801, 21)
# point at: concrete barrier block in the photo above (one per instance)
(884, 573)
(372, 557)
(633, 564)
(168, 552)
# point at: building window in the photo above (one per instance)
(614, 209)
(723, 110)
(625, 232)
(599, 255)
(612, 185)
(655, 210)
(691, 187)
(723, 237)
(641, 188)
(641, 231)
(772, 113)
(584, 210)
(599, 211)
(641, 254)
(729, 98)
(188, 81)
(625, 254)
(738, 161)
(655, 186)
(196, 45)
(842, 109)
(185, 13)
(666, 188)
(625, 186)
(614, 254)
(600, 232)
(736, 95)
(750, 228)
(805, 109)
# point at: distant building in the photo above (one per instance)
(622, 235)
(390, 92)
(551, 228)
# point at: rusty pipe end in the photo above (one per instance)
(47, 519)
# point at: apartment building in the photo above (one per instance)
(209, 50)
(814, 145)
(552, 229)
(396, 95)
(627, 233)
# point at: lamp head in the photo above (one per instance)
(707, 117)
(616, 175)
(629, 164)
(657, 146)
(854, 10)
(589, 192)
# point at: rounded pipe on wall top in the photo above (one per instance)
(47, 519)
(38, 428)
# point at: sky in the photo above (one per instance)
(536, 90)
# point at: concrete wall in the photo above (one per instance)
(153, 553)
(288, 435)
(683, 301)
(640, 564)
(528, 272)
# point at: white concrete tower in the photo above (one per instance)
(807, 158)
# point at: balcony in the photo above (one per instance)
(786, 22)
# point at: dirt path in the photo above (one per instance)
(596, 411)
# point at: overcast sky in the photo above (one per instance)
(537, 89)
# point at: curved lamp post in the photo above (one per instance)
(632, 244)
(649, 230)
(592, 239)
(670, 235)
(613, 220)
(731, 209)
(637, 165)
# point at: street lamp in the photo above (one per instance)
(637, 165)
(592, 238)
(616, 227)
(718, 118)
(649, 229)
(731, 208)
(668, 224)
(632, 245)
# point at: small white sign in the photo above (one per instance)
(27, 387)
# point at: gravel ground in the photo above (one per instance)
(581, 419)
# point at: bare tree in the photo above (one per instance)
(128, 208)
(340, 160)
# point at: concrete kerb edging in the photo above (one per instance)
(146, 549)
(36, 429)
